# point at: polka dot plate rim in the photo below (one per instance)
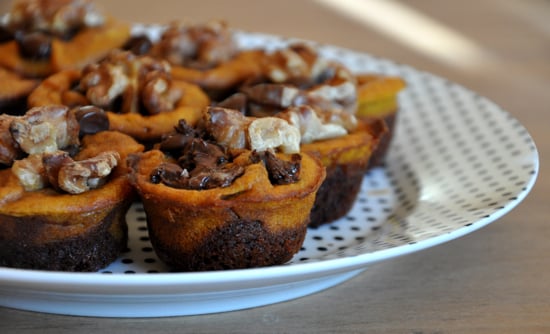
(457, 163)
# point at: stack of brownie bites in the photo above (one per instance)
(234, 153)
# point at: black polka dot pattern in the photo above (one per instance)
(457, 163)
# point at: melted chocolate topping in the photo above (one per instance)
(200, 163)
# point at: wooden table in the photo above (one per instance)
(495, 280)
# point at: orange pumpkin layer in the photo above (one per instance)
(377, 98)
(246, 64)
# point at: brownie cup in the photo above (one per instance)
(229, 198)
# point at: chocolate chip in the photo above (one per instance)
(279, 171)
(5, 35)
(35, 46)
(174, 142)
(169, 174)
(91, 119)
(138, 45)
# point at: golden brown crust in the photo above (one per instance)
(182, 220)
(151, 127)
(14, 90)
(244, 65)
(13, 85)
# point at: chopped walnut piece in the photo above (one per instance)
(233, 130)
(103, 83)
(322, 83)
(34, 138)
(200, 46)
(340, 96)
(315, 124)
(273, 133)
(57, 17)
(276, 95)
(52, 163)
(134, 79)
(45, 129)
(227, 126)
(296, 64)
(157, 94)
(30, 172)
(79, 176)
(60, 171)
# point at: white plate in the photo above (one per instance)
(458, 162)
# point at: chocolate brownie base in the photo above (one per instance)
(337, 194)
(235, 245)
(379, 154)
(91, 250)
(15, 106)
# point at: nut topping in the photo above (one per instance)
(79, 176)
(30, 172)
(49, 135)
(205, 157)
(45, 129)
(60, 171)
(132, 78)
(321, 83)
(157, 94)
(56, 17)
(297, 63)
(310, 125)
(275, 95)
(316, 124)
(232, 129)
(198, 46)
(228, 127)
(273, 133)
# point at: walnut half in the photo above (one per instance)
(57, 17)
(61, 172)
(136, 80)
(315, 124)
(232, 129)
(45, 129)
(79, 176)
